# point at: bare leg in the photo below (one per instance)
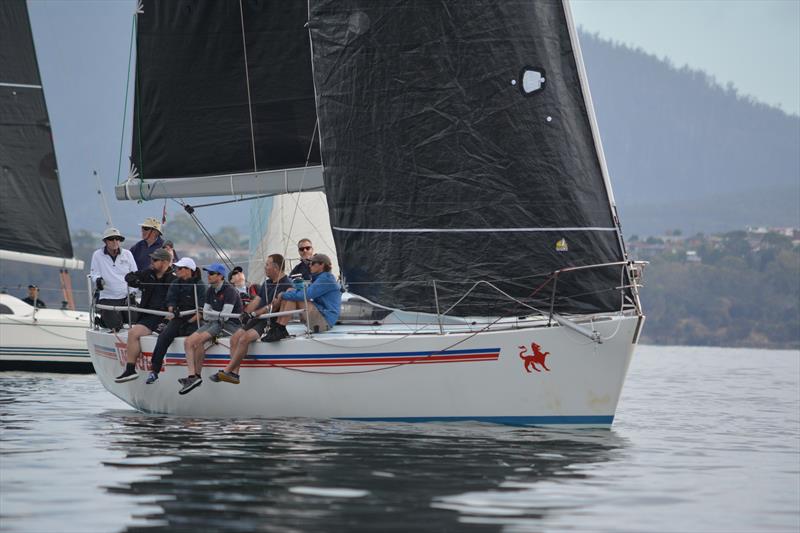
(134, 345)
(287, 305)
(243, 340)
(192, 345)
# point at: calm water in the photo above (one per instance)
(704, 440)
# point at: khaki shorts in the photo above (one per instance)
(216, 328)
(316, 322)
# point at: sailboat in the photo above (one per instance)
(473, 220)
(32, 216)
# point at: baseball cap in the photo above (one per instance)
(186, 262)
(219, 268)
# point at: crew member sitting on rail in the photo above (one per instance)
(221, 299)
(275, 283)
(110, 265)
(154, 283)
(324, 298)
(186, 293)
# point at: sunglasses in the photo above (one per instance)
(304, 248)
(114, 239)
(317, 263)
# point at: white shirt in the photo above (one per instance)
(113, 272)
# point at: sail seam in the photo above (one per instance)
(467, 230)
(20, 85)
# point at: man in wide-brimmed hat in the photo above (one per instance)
(110, 265)
(151, 241)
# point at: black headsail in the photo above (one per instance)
(457, 147)
(192, 113)
(31, 209)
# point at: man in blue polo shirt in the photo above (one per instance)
(221, 299)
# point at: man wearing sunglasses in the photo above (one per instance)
(151, 241)
(303, 268)
(221, 297)
(110, 265)
(324, 297)
(154, 283)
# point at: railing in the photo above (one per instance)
(206, 314)
(634, 270)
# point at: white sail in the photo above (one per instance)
(278, 223)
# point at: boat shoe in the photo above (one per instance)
(228, 377)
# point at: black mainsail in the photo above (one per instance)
(456, 138)
(440, 165)
(31, 209)
(203, 69)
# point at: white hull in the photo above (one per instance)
(48, 339)
(393, 376)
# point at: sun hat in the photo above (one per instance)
(112, 232)
(321, 258)
(162, 254)
(186, 262)
(218, 268)
(151, 222)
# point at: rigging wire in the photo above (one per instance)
(300, 189)
(127, 87)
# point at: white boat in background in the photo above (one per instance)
(42, 339)
(32, 216)
(469, 202)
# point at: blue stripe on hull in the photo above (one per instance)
(504, 420)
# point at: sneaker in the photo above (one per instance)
(215, 376)
(128, 375)
(192, 382)
(152, 378)
(275, 334)
(183, 381)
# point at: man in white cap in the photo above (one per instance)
(186, 293)
(110, 265)
(151, 241)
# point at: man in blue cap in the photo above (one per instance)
(222, 304)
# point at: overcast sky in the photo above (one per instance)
(83, 45)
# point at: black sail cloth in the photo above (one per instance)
(32, 214)
(191, 110)
(438, 167)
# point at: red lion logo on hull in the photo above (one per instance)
(537, 358)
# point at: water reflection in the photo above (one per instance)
(288, 475)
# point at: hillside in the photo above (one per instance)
(687, 153)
